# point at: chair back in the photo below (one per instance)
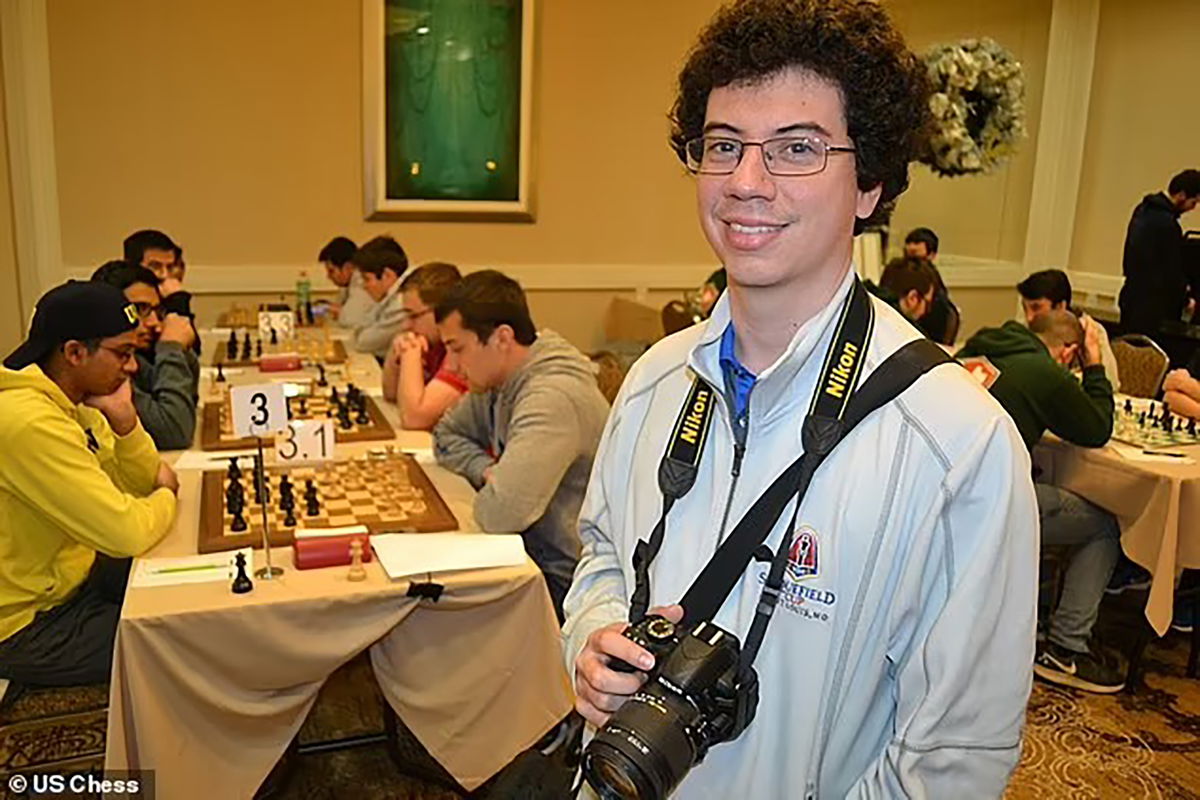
(1141, 364)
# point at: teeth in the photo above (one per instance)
(753, 228)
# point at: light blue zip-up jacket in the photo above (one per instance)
(899, 659)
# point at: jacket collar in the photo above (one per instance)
(776, 385)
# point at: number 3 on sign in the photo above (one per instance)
(258, 410)
(307, 441)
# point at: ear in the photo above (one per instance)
(865, 204)
(1068, 354)
(503, 335)
(75, 352)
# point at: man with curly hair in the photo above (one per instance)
(898, 659)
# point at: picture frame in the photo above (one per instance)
(447, 110)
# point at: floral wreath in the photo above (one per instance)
(977, 105)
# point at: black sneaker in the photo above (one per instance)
(1078, 670)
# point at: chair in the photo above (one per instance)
(609, 373)
(676, 316)
(1141, 363)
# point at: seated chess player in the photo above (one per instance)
(155, 251)
(1050, 290)
(1027, 371)
(353, 303)
(380, 262)
(415, 374)
(165, 384)
(1181, 390)
(526, 434)
(81, 486)
(908, 285)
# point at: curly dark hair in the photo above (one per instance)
(851, 43)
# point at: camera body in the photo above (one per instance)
(693, 698)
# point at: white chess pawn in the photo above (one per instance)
(357, 571)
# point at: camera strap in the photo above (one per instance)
(837, 406)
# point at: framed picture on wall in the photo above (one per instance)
(447, 109)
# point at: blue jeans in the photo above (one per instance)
(1069, 520)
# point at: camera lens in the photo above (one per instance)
(644, 751)
(613, 779)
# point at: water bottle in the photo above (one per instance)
(304, 299)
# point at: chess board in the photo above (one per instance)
(216, 427)
(1140, 424)
(308, 344)
(387, 491)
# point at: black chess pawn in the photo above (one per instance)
(303, 406)
(321, 379)
(241, 582)
(274, 336)
(220, 373)
(1128, 406)
(258, 347)
(343, 417)
(1142, 420)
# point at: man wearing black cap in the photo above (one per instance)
(81, 486)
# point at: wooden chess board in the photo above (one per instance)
(216, 427)
(310, 347)
(387, 491)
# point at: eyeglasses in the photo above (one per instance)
(144, 310)
(785, 156)
(123, 354)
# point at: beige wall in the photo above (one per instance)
(235, 126)
(980, 217)
(12, 320)
(1143, 123)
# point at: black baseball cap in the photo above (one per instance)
(79, 310)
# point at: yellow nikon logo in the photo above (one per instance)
(131, 314)
(839, 376)
(690, 430)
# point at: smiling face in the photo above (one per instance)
(770, 230)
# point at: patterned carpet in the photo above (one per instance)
(1077, 746)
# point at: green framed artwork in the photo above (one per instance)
(447, 109)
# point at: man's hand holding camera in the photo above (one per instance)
(601, 690)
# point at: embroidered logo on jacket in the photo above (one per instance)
(982, 370)
(801, 593)
(803, 558)
(92, 444)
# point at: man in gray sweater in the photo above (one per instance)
(165, 384)
(527, 432)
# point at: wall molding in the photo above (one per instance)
(202, 279)
(25, 48)
(1062, 134)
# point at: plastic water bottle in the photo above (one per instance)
(303, 298)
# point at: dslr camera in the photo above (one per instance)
(694, 697)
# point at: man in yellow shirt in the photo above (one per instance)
(81, 486)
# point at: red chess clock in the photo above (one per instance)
(982, 370)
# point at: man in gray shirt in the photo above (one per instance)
(165, 384)
(380, 263)
(353, 303)
(527, 432)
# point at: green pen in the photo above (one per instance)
(196, 568)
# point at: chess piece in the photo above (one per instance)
(357, 571)
(303, 406)
(274, 337)
(321, 379)
(334, 398)
(220, 373)
(1142, 420)
(287, 401)
(258, 348)
(1191, 428)
(343, 416)
(1153, 415)
(241, 582)
(235, 471)
(363, 418)
(289, 515)
(1128, 406)
(231, 345)
(239, 522)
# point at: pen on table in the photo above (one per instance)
(1164, 453)
(196, 568)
